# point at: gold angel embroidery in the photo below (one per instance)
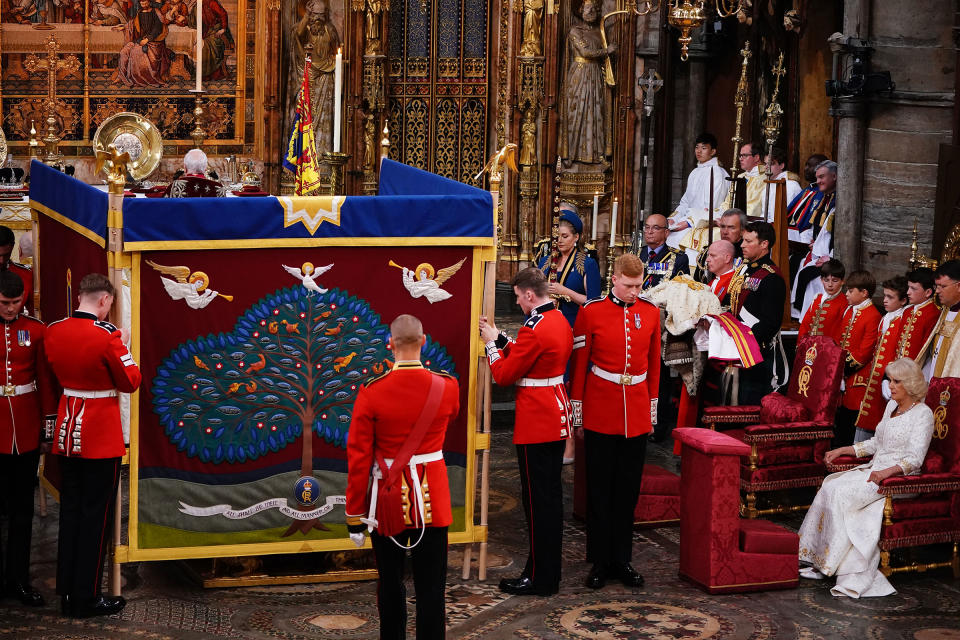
(192, 288)
(420, 282)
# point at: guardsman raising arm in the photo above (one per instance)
(92, 364)
(536, 363)
(398, 427)
(616, 371)
(27, 398)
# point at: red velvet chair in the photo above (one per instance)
(719, 550)
(659, 501)
(933, 515)
(787, 434)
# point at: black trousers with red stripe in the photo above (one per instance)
(88, 494)
(542, 491)
(18, 476)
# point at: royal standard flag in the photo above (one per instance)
(301, 156)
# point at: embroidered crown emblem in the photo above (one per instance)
(811, 355)
(944, 397)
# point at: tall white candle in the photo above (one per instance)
(596, 207)
(199, 58)
(613, 223)
(337, 92)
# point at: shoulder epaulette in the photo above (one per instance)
(445, 374)
(106, 326)
(377, 378)
(770, 268)
(533, 321)
(25, 267)
(592, 300)
(648, 301)
(58, 321)
(30, 317)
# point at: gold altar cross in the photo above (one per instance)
(52, 63)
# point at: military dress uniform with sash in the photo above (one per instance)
(858, 342)
(756, 297)
(874, 402)
(27, 397)
(385, 415)
(662, 262)
(92, 365)
(536, 363)
(580, 273)
(825, 317)
(614, 387)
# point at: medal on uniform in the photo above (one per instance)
(23, 337)
(636, 320)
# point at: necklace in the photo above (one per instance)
(899, 412)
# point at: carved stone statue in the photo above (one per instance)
(528, 139)
(373, 42)
(369, 143)
(316, 28)
(532, 17)
(586, 137)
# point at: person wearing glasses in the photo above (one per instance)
(660, 260)
(840, 532)
(944, 361)
(755, 174)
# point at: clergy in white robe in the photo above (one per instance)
(840, 532)
(689, 222)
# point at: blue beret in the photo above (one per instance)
(573, 219)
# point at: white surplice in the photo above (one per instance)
(840, 532)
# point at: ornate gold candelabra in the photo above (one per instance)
(336, 160)
(198, 134)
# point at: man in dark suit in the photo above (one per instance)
(660, 260)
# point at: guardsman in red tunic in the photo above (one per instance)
(401, 418)
(28, 397)
(920, 318)
(7, 240)
(825, 315)
(859, 343)
(535, 363)
(92, 364)
(888, 334)
(615, 378)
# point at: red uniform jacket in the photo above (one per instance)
(825, 317)
(88, 355)
(859, 342)
(26, 274)
(24, 409)
(721, 283)
(916, 330)
(540, 352)
(385, 411)
(621, 339)
(871, 410)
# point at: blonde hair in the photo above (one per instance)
(909, 374)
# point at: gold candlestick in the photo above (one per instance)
(198, 134)
(336, 160)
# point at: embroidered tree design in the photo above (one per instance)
(293, 362)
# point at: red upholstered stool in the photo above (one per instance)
(719, 550)
(659, 502)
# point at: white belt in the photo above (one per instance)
(377, 473)
(82, 393)
(618, 378)
(540, 382)
(18, 389)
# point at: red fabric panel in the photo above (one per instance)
(748, 413)
(921, 527)
(822, 393)
(709, 441)
(943, 397)
(921, 507)
(654, 509)
(799, 429)
(763, 536)
(792, 475)
(776, 408)
(933, 463)
(784, 453)
(659, 481)
(917, 483)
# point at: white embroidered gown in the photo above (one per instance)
(840, 532)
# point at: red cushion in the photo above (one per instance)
(656, 509)
(933, 463)
(903, 484)
(926, 527)
(763, 536)
(747, 414)
(775, 407)
(709, 441)
(924, 506)
(659, 481)
(784, 453)
(784, 476)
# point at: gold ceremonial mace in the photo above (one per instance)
(772, 123)
(739, 101)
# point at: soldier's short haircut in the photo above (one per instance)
(862, 279)
(739, 213)
(950, 269)
(531, 279)
(764, 231)
(829, 165)
(11, 285)
(779, 155)
(629, 264)
(924, 277)
(7, 238)
(405, 329)
(96, 283)
(898, 284)
(706, 138)
(833, 267)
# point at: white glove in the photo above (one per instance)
(358, 538)
(577, 416)
(885, 388)
(653, 411)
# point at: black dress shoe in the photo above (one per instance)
(629, 576)
(523, 586)
(98, 606)
(27, 595)
(596, 578)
